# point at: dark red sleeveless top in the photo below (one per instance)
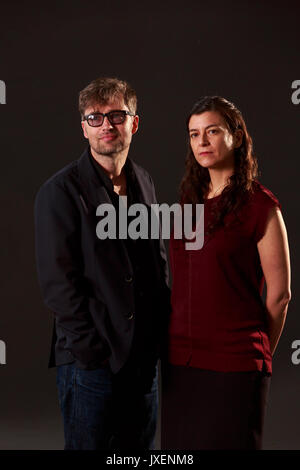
(218, 319)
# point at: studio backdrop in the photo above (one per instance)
(246, 51)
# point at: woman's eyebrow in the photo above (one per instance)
(210, 125)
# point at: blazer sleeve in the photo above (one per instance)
(162, 248)
(60, 270)
(165, 294)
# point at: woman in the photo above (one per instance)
(222, 335)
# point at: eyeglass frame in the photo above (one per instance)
(104, 115)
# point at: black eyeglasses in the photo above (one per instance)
(114, 117)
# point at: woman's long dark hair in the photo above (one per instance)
(195, 182)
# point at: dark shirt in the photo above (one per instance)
(140, 252)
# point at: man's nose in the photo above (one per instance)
(106, 124)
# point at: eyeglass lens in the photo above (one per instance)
(114, 117)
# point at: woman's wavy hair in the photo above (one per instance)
(195, 182)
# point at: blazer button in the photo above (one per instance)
(130, 315)
(128, 279)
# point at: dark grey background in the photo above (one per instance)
(246, 51)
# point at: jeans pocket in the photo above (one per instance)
(65, 375)
(93, 397)
(95, 380)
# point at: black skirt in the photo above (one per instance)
(203, 409)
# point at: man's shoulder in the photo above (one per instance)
(61, 186)
(66, 174)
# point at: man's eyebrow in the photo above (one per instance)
(111, 111)
(210, 125)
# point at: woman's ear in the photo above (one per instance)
(238, 138)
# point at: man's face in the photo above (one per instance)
(110, 139)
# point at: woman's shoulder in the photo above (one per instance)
(263, 196)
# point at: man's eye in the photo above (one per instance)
(213, 131)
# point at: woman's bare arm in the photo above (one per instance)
(275, 261)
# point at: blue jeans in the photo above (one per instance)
(108, 411)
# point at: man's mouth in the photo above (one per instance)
(108, 137)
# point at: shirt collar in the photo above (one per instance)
(105, 179)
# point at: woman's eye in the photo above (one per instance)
(193, 135)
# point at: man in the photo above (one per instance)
(109, 297)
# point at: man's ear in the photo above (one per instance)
(135, 124)
(83, 129)
(238, 138)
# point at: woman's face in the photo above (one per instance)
(211, 142)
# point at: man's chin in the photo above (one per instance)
(108, 151)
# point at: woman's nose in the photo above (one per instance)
(203, 139)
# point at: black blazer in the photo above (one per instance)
(86, 282)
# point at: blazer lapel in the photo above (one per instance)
(145, 196)
(93, 193)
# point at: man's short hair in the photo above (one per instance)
(103, 90)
